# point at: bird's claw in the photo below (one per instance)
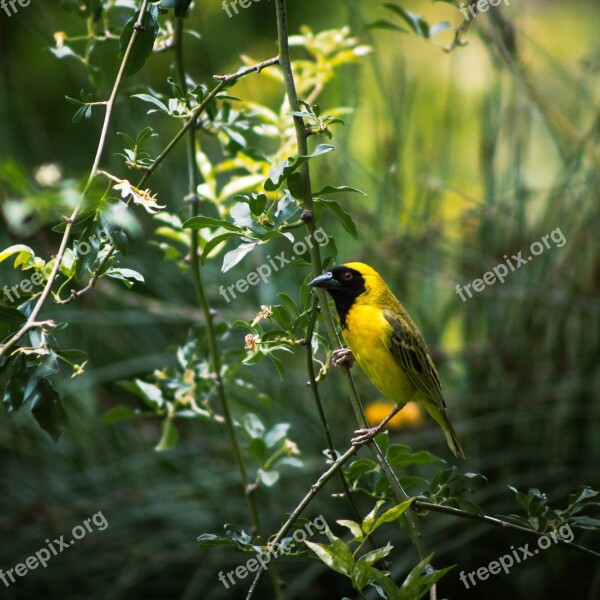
(364, 436)
(342, 355)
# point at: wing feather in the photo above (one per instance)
(408, 347)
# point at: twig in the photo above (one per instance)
(200, 292)
(314, 490)
(457, 512)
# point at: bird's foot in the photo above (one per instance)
(342, 355)
(364, 436)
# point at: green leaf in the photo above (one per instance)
(47, 409)
(337, 556)
(115, 230)
(242, 217)
(150, 394)
(214, 242)
(253, 426)
(585, 522)
(354, 528)
(276, 434)
(280, 172)
(281, 317)
(416, 585)
(331, 189)
(86, 250)
(384, 582)
(233, 257)
(374, 556)
(385, 24)
(359, 467)
(48, 365)
(119, 413)
(269, 478)
(151, 100)
(169, 436)
(369, 520)
(343, 216)
(73, 355)
(400, 456)
(287, 210)
(180, 6)
(127, 276)
(144, 42)
(10, 315)
(439, 27)
(22, 252)
(416, 22)
(289, 304)
(204, 222)
(392, 514)
(18, 378)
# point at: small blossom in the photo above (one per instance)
(290, 447)
(265, 313)
(250, 342)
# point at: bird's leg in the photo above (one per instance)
(342, 355)
(364, 436)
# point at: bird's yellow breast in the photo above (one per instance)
(366, 333)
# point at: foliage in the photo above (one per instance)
(247, 202)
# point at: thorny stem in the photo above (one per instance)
(208, 314)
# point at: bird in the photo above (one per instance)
(386, 344)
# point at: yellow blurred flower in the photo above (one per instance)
(409, 416)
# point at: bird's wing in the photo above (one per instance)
(408, 347)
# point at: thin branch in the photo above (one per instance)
(314, 490)
(457, 512)
(314, 388)
(71, 220)
(196, 271)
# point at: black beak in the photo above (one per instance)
(327, 281)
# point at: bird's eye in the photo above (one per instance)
(348, 276)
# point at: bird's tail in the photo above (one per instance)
(442, 420)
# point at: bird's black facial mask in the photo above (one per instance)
(344, 285)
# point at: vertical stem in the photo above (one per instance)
(213, 348)
(308, 217)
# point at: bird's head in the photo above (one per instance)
(348, 281)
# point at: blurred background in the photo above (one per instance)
(465, 157)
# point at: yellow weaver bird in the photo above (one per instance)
(387, 345)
